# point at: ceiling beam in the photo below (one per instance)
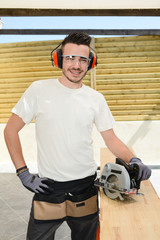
(15, 12)
(89, 31)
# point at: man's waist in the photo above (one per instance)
(73, 185)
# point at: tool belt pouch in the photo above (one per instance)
(82, 205)
(53, 207)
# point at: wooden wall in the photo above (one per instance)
(128, 74)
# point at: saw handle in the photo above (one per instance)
(121, 162)
(133, 171)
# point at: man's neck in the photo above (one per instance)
(69, 84)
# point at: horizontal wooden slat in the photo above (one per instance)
(24, 59)
(128, 54)
(142, 86)
(27, 44)
(103, 70)
(137, 118)
(136, 112)
(127, 39)
(129, 49)
(135, 107)
(106, 44)
(127, 75)
(127, 81)
(129, 65)
(130, 91)
(133, 102)
(135, 96)
(103, 59)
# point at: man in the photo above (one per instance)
(65, 111)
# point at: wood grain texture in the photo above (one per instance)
(135, 218)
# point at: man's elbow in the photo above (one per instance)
(6, 132)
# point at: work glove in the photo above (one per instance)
(144, 171)
(35, 184)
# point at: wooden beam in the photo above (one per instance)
(78, 12)
(89, 31)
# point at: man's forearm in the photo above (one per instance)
(116, 146)
(120, 150)
(14, 148)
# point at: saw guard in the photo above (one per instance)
(115, 189)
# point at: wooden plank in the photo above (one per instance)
(129, 86)
(130, 102)
(26, 54)
(128, 65)
(127, 70)
(120, 43)
(31, 43)
(101, 81)
(24, 59)
(128, 219)
(22, 64)
(122, 112)
(27, 49)
(127, 39)
(128, 54)
(144, 48)
(104, 59)
(134, 107)
(135, 97)
(137, 118)
(130, 91)
(29, 69)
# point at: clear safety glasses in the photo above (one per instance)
(71, 59)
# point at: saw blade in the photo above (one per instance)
(114, 183)
(113, 180)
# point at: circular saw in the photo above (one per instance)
(119, 179)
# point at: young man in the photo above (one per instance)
(65, 111)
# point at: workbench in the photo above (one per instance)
(135, 218)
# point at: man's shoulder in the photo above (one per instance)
(44, 82)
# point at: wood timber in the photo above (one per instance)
(137, 217)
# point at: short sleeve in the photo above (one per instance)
(103, 119)
(27, 105)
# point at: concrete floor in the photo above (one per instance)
(15, 203)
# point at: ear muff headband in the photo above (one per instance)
(56, 58)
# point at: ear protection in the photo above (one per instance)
(56, 58)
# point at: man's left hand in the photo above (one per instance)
(144, 170)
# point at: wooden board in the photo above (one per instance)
(135, 218)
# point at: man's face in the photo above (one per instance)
(75, 62)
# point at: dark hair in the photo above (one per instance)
(77, 38)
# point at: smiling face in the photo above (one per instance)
(73, 71)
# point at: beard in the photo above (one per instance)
(72, 78)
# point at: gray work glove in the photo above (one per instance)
(144, 171)
(35, 184)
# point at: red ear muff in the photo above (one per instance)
(93, 61)
(56, 57)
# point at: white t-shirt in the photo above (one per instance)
(64, 120)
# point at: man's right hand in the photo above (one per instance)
(34, 183)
